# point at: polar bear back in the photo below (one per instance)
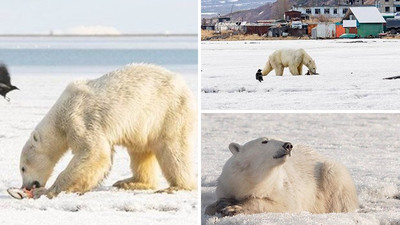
(132, 105)
(286, 56)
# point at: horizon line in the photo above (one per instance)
(103, 35)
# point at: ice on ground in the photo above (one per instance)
(367, 144)
(351, 76)
(105, 205)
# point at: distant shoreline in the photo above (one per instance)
(99, 35)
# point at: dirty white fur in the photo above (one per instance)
(253, 181)
(145, 108)
(292, 58)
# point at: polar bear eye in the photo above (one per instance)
(265, 142)
(23, 169)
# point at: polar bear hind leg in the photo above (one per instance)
(338, 188)
(267, 69)
(176, 166)
(143, 164)
(279, 70)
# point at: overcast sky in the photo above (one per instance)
(126, 16)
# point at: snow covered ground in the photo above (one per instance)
(351, 73)
(367, 144)
(105, 205)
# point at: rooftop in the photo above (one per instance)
(366, 14)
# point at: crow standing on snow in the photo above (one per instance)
(5, 83)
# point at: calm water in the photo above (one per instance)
(88, 57)
(33, 53)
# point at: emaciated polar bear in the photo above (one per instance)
(262, 177)
(145, 108)
(292, 58)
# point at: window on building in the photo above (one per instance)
(386, 0)
(327, 11)
(334, 11)
(345, 10)
(317, 11)
(387, 9)
(397, 9)
(308, 11)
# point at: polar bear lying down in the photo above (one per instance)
(264, 176)
(292, 58)
(145, 108)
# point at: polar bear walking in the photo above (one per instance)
(292, 58)
(145, 108)
(264, 176)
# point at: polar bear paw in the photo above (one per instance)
(171, 190)
(38, 192)
(228, 207)
(232, 210)
(131, 185)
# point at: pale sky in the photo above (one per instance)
(126, 16)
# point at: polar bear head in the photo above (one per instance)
(310, 63)
(259, 156)
(36, 165)
(312, 66)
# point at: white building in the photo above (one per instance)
(389, 6)
(327, 11)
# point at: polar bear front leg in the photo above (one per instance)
(300, 68)
(293, 68)
(253, 206)
(85, 171)
(143, 166)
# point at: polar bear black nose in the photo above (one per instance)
(287, 146)
(35, 184)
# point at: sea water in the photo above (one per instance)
(69, 54)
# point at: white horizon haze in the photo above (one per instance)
(98, 17)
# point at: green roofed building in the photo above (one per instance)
(368, 21)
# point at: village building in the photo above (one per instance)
(327, 11)
(367, 20)
(389, 6)
(331, 11)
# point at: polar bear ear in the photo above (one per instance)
(35, 137)
(234, 147)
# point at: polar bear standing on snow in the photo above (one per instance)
(262, 176)
(292, 58)
(145, 108)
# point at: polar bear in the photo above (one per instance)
(145, 108)
(292, 58)
(264, 176)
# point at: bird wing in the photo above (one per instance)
(3, 85)
(4, 75)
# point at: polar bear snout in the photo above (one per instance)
(286, 150)
(33, 185)
(288, 146)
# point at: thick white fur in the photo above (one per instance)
(145, 108)
(252, 181)
(292, 58)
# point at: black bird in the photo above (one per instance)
(5, 83)
(259, 75)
